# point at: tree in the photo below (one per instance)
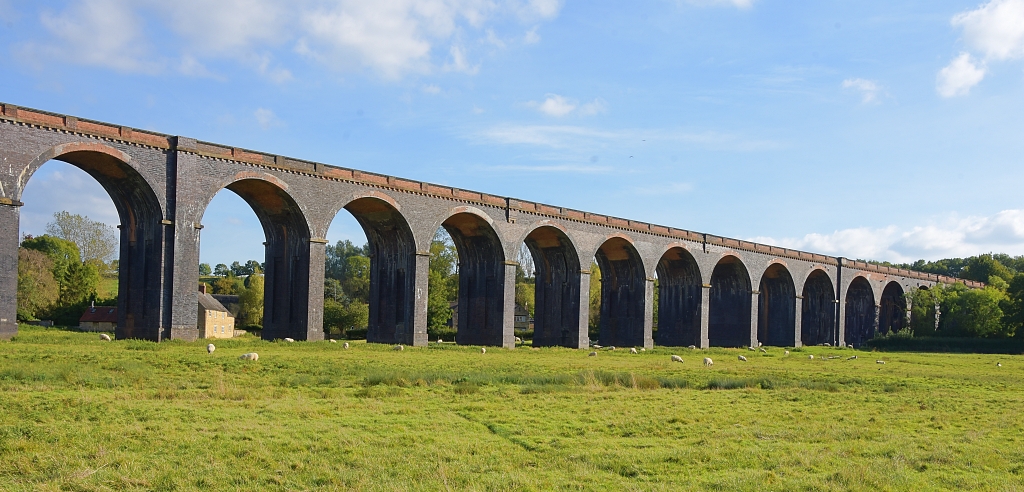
(76, 281)
(252, 267)
(969, 312)
(96, 241)
(1013, 305)
(250, 302)
(221, 270)
(237, 269)
(442, 281)
(595, 296)
(357, 278)
(336, 264)
(37, 289)
(228, 285)
(204, 269)
(344, 315)
(982, 267)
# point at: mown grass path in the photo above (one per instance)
(77, 413)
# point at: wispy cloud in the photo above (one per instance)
(570, 136)
(266, 118)
(952, 236)
(868, 89)
(740, 4)
(558, 106)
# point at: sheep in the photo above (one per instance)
(742, 358)
(751, 348)
(676, 358)
(643, 349)
(632, 350)
(592, 354)
(852, 357)
(611, 348)
(210, 348)
(879, 362)
(828, 344)
(693, 347)
(398, 348)
(104, 337)
(763, 351)
(811, 356)
(596, 346)
(519, 340)
(334, 341)
(708, 362)
(999, 364)
(250, 356)
(345, 346)
(787, 352)
(289, 340)
(759, 344)
(483, 350)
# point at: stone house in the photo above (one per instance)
(215, 321)
(98, 318)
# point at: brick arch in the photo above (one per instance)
(557, 285)
(623, 293)
(729, 320)
(818, 309)
(679, 297)
(860, 318)
(776, 308)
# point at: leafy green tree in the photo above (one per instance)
(969, 312)
(1013, 305)
(982, 267)
(250, 302)
(922, 310)
(344, 315)
(204, 269)
(76, 281)
(336, 264)
(221, 270)
(595, 296)
(96, 241)
(442, 281)
(357, 278)
(37, 289)
(228, 285)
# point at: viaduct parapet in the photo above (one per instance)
(714, 291)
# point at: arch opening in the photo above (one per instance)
(392, 254)
(622, 294)
(818, 313)
(286, 270)
(141, 301)
(860, 313)
(892, 312)
(479, 316)
(679, 298)
(776, 308)
(557, 288)
(730, 303)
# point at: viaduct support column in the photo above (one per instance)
(705, 313)
(841, 321)
(754, 297)
(419, 312)
(315, 299)
(798, 321)
(649, 313)
(581, 338)
(9, 223)
(508, 311)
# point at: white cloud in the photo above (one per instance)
(580, 137)
(431, 89)
(952, 237)
(994, 30)
(531, 36)
(740, 4)
(957, 78)
(103, 33)
(594, 107)
(266, 118)
(555, 105)
(868, 89)
(459, 63)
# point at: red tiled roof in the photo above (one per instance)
(100, 314)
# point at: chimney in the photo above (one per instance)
(202, 288)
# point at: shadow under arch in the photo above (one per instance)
(481, 301)
(622, 294)
(859, 323)
(557, 294)
(818, 313)
(286, 275)
(892, 311)
(392, 270)
(776, 307)
(679, 298)
(141, 301)
(730, 303)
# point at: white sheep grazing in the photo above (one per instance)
(398, 347)
(289, 340)
(643, 349)
(519, 340)
(345, 346)
(742, 358)
(787, 352)
(596, 346)
(104, 337)
(879, 362)
(676, 358)
(763, 351)
(611, 348)
(693, 347)
(750, 349)
(334, 341)
(632, 350)
(999, 364)
(852, 357)
(483, 350)
(811, 356)
(708, 362)
(210, 348)
(759, 344)
(592, 354)
(250, 356)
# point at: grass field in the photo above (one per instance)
(77, 413)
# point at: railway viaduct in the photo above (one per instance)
(714, 291)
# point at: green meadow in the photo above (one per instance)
(77, 413)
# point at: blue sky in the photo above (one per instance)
(883, 130)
